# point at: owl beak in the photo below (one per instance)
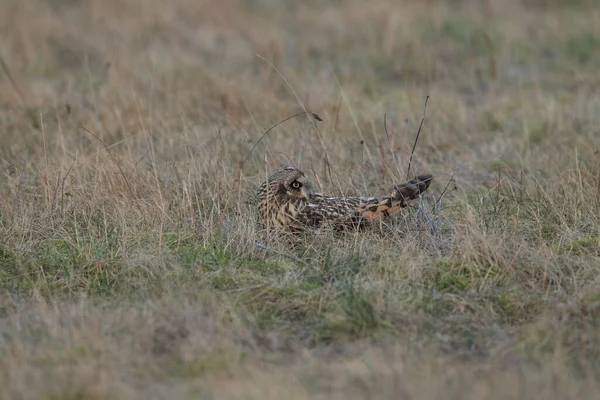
(306, 193)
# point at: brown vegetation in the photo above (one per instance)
(128, 258)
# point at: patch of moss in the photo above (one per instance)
(584, 245)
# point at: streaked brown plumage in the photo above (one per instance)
(286, 202)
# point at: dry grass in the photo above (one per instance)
(128, 264)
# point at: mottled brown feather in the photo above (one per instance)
(285, 201)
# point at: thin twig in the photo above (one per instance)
(520, 199)
(55, 193)
(445, 189)
(296, 96)
(312, 114)
(417, 138)
(62, 188)
(326, 158)
(453, 170)
(140, 160)
(387, 135)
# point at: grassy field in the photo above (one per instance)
(129, 264)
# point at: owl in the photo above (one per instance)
(286, 202)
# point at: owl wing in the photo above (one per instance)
(412, 189)
(353, 211)
(338, 211)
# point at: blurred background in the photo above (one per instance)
(507, 78)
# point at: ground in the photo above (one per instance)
(130, 262)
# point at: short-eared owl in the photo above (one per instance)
(285, 201)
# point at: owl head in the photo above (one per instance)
(289, 183)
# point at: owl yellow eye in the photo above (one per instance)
(296, 185)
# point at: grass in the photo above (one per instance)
(129, 264)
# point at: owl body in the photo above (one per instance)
(286, 202)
